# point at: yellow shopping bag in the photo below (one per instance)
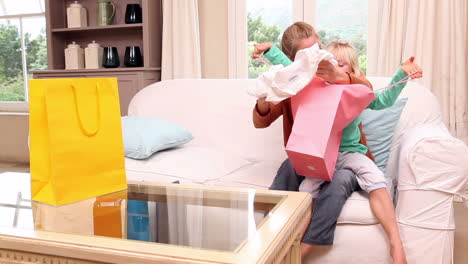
(76, 146)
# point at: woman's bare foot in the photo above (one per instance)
(398, 254)
(305, 249)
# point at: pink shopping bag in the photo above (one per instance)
(321, 111)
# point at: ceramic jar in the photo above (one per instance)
(74, 57)
(93, 56)
(76, 16)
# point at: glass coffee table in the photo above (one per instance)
(153, 223)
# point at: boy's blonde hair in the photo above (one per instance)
(343, 51)
(293, 35)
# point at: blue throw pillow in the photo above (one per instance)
(379, 125)
(144, 136)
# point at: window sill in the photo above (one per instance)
(14, 114)
(14, 108)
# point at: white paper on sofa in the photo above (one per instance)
(281, 82)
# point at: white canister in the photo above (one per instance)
(93, 56)
(76, 16)
(74, 57)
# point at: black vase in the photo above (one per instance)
(133, 57)
(133, 14)
(110, 58)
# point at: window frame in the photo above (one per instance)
(20, 106)
(237, 32)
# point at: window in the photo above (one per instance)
(347, 20)
(266, 20)
(263, 19)
(23, 46)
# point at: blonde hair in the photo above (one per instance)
(343, 51)
(293, 35)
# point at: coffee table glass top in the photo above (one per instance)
(174, 214)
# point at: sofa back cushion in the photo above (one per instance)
(217, 112)
(422, 106)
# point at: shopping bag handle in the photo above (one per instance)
(88, 132)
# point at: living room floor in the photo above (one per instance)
(461, 217)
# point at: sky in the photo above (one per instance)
(13, 7)
(32, 25)
(348, 16)
(274, 12)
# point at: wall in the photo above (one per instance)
(14, 129)
(213, 15)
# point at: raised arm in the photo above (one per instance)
(389, 98)
(276, 56)
(265, 113)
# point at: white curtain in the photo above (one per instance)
(181, 40)
(435, 32)
(196, 218)
(185, 217)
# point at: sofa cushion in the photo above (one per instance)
(254, 175)
(357, 210)
(189, 162)
(150, 176)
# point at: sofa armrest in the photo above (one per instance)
(431, 159)
(432, 168)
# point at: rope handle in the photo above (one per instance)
(387, 88)
(86, 131)
(406, 79)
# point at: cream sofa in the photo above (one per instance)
(429, 164)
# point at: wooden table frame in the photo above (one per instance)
(278, 236)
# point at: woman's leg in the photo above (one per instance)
(326, 209)
(286, 178)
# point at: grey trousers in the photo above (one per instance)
(327, 206)
(368, 175)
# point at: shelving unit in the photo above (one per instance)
(99, 28)
(146, 35)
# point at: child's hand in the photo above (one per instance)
(260, 48)
(412, 69)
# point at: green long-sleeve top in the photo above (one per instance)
(351, 134)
